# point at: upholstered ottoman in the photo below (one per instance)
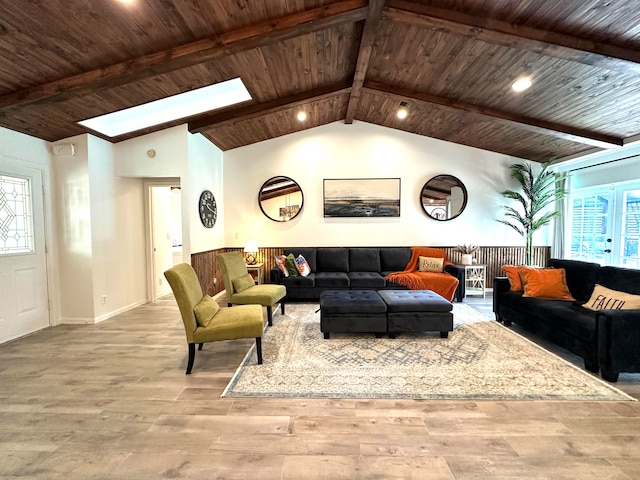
(417, 311)
(352, 311)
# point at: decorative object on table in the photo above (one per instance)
(251, 252)
(361, 197)
(537, 192)
(280, 199)
(443, 197)
(207, 209)
(481, 359)
(466, 251)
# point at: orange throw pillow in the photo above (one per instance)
(545, 283)
(514, 277)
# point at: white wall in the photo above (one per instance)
(364, 150)
(73, 221)
(101, 234)
(117, 234)
(192, 159)
(205, 173)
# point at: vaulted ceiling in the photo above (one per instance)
(451, 61)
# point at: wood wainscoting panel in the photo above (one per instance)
(495, 257)
(206, 267)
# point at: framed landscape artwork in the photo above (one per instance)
(361, 197)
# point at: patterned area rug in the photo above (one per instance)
(481, 359)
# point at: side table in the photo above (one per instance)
(475, 279)
(257, 272)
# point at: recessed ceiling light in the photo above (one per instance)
(168, 109)
(302, 116)
(521, 84)
(402, 111)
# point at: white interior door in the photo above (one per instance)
(24, 300)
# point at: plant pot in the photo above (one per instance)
(466, 259)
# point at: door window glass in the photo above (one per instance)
(16, 215)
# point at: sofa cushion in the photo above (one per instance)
(332, 279)
(333, 260)
(303, 266)
(394, 259)
(604, 298)
(309, 254)
(581, 276)
(300, 281)
(281, 263)
(364, 260)
(545, 283)
(290, 263)
(569, 317)
(366, 280)
(617, 278)
(514, 277)
(430, 264)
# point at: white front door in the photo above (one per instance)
(24, 300)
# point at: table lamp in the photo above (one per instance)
(250, 252)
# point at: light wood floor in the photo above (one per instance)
(111, 401)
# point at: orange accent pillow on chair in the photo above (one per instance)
(545, 283)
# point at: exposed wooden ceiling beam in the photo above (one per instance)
(510, 35)
(527, 123)
(374, 15)
(233, 115)
(242, 39)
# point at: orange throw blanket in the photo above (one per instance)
(442, 283)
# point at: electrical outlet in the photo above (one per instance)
(215, 280)
(160, 281)
(103, 299)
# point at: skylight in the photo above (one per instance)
(170, 108)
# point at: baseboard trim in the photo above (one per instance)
(101, 318)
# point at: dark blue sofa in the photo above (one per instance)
(607, 340)
(355, 268)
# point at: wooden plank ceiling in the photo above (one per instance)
(451, 61)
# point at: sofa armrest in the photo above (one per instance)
(500, 286)
(618, 342)
(458, 272)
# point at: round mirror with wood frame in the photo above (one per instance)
(280, 199)
(443, 197)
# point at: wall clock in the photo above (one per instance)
(207, 209)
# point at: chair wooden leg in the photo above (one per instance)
(259, 349)
(229, 304)
(200, 346)
(282, 308)
(192, 355)
(269, 315)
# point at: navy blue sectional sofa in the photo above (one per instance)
(355, 268)
(607, 340)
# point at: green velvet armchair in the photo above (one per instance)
(204, 321)
(241, 289)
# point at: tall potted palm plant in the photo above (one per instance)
(537, 192)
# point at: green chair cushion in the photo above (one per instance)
(267, 295)
(242, 283)
(205, 310)
(242, 321)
